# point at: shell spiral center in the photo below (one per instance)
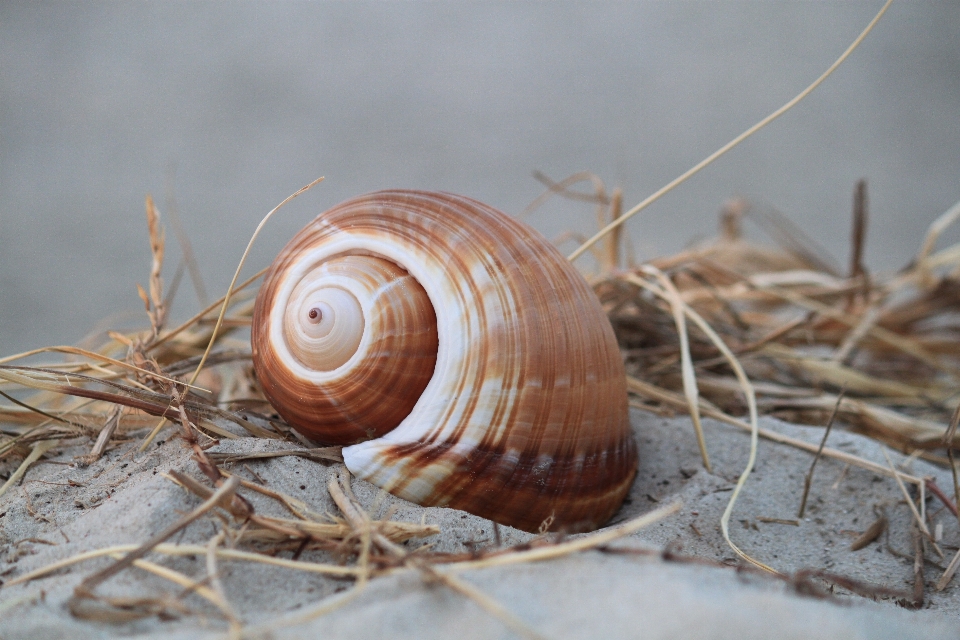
(323, 325)
(346, 345)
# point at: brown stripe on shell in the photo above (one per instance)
(574, 493)
(526, 414)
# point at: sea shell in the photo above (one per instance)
(470, 365)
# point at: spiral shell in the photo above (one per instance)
(470, 362)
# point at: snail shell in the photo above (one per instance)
(465, 360)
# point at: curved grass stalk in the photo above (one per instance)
(935, 230)
(751, 404)
(688, 374)
(198, 316)
(733, 143)
(236, 274)
(226, 299)
(36, 451)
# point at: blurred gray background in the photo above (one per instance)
(223, 109)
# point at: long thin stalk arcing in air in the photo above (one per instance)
(226, 298)
(730, 145)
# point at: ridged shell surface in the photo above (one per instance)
(508, 378)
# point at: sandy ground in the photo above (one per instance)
(61, 509)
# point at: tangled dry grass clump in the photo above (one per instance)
(802, 330)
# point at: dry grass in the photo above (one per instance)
(878, 351)
(713, 331)
(802, 334)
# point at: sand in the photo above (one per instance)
(62, 508)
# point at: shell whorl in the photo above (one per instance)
(521, 411)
